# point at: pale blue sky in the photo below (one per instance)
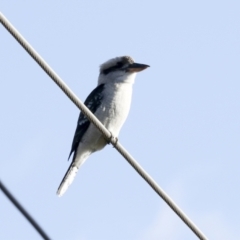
(183, 127)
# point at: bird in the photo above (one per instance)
(110, 102)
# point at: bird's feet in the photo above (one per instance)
(113, 140)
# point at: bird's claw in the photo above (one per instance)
(113, 140)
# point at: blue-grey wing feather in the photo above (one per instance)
(93, 101)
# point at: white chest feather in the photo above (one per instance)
(115, 107)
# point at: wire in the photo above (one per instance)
(99, 125)
(23, 211)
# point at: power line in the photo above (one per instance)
(23, 211)
(99, 125)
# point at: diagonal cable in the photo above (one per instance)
(99, 125)
(23, 211)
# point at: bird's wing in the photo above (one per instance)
(93, 101)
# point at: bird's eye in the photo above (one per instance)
(118, 66)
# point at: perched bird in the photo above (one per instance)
(110, 102)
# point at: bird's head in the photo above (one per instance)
(120, 69)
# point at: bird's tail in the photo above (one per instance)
(77, 162)
(67, 180)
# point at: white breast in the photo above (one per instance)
(115, 107)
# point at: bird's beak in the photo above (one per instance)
(137, 67)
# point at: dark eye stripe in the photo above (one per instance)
(113, 68)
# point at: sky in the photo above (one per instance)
(183, 127)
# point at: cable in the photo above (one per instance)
(23, 211)
(99, 125)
